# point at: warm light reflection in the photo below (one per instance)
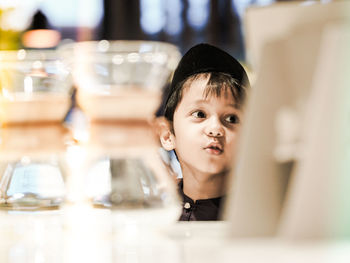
(41, 38)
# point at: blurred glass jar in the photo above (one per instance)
(35, 86)
(120, 79)
(119, 88)
(35, 96)
(32, 167)
(124, 173)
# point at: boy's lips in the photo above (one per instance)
(214, 148)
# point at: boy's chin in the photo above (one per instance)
(216, 171)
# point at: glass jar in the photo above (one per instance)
(119, 87)
(32, 167)
(35, 96)
(35, 86)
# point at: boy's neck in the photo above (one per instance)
(204, 186)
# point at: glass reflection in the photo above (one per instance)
(124, 183)
(31, 185)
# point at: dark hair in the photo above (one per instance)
(218, 82)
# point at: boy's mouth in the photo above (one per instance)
(214, 148)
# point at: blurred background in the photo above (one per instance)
(47, 23)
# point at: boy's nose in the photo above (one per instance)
(215, 134)
(215, 129)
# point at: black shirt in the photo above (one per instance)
(201, 210)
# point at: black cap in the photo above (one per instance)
(207, 58)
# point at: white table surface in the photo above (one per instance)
(54, 237)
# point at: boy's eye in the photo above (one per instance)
(232, 119)
(198, 114)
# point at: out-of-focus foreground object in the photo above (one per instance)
(119, 86)
(35, 86)
(35, 96)
(293, 170)
(120, 79)
(32, 167)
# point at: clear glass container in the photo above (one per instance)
(35, 86)
(32, 167)
(35, 96)
(124, 173)
(119, 87)
(120, 79)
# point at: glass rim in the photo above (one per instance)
(121, 51)
(105, 46)
(25, 55)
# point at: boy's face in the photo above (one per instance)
(205, 129)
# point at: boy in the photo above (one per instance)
(203, 112)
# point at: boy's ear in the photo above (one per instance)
(166, 135)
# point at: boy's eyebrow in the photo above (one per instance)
(234, 105)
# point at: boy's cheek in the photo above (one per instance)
(234, 143)
(238, 134)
